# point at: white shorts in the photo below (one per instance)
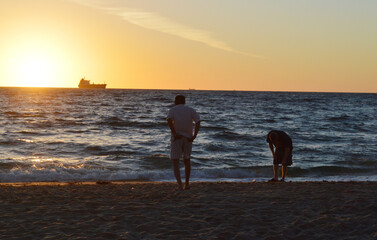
(180, 148)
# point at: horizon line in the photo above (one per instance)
(193, 90)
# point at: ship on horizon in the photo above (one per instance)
(86, 84)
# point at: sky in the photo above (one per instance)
(285, 45)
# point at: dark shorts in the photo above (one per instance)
(279, 156)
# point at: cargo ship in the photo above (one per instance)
(86, 84)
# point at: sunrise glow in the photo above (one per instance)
(252, 45)
(33, 71)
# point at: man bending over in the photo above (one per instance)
(282, 153)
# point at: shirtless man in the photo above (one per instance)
(281, 148)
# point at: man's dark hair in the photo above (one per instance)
(179, 99)
(274, 136)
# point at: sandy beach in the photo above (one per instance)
(137, 210)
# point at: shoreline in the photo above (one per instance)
(209, 210)
(125, 182)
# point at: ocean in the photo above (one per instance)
(49, 134)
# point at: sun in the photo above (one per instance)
(33, 69)
(31, 61)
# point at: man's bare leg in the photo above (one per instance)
(187, 172)
(284, 170)
(276, 172)
(177, 173)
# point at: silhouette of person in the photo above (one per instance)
(281, 148)
(180, 120)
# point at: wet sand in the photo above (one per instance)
(137, 210)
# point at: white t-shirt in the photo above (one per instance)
(182, 117)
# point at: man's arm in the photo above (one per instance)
(171, 126)
(173, 132)
(197, 127)
(272, 149)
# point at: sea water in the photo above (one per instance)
(51, 134)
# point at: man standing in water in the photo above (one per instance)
(282, 153)
(180, 119)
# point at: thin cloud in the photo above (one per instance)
(154, 21)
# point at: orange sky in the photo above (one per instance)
(215, 44)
